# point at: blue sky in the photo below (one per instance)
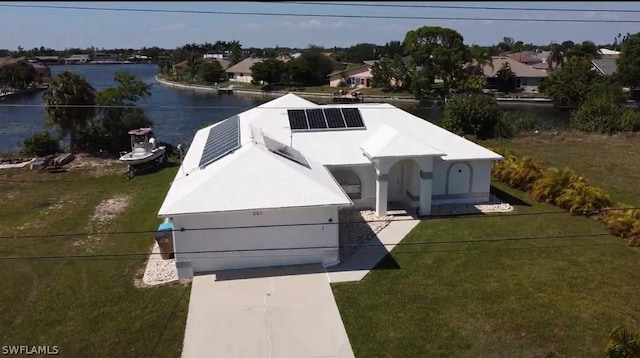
(60, 28)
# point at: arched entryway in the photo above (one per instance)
(403, 182)
(349, 181)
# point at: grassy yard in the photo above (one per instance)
(610, 162)
(481, 298)
(89, 307)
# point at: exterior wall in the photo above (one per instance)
(367, 175)
(461, 181)
(240, 77)
(193, 247)
(528, 84)
(357, 77)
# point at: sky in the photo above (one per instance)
(66, 28)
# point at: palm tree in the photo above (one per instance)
(480, 58)
(623, 343)
(194, 66)
(64, 92)
(556, 57)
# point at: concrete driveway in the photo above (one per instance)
(275, 313)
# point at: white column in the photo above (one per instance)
(381, 193)
(426, 179)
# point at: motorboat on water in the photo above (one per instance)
(143, 149)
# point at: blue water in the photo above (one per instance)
(167, 107)
(171, 110)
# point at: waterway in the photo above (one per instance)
(176, 113)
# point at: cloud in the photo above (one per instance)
(317, 25)
(173, 28)
(251, 26)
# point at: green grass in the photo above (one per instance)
(495, 299)
(610, 162)
(87, 307)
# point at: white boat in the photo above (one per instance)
(143, 148)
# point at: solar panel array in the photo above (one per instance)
(325, 118)
(223, 139)
(285, 151)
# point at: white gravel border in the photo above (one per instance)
(494, 205)
(159, 271)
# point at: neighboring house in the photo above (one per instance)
(606, 53)
(241, 71)
(525, 57)
(606, 66)
(261, 189)
(527, 78)
(76, 59)
(356, 77)
(106, 58)
(42, 70)
(47, 59)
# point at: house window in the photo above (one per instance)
(349, 181)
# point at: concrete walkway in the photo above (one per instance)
(356, 267)
(274, 312)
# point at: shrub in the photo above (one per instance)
(620, 222)
(520, 174)
(475, 114)
(602, 112)
(40, 144)
(551, 184)
(630, 121)
(583, 199)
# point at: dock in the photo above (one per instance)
(225, 90)
(348, 97)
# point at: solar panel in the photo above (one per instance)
(352, 117)
(316, 119)
(334, 118)
(297, 119)
(285, 151)
(223, 139)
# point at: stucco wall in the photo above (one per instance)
(367, 175)
(214, 237)
(461, 181)
(240, 77)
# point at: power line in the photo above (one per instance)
(314, 15)
(438, 217)
(459, 7)
(420, 243)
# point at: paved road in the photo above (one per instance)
(272, 313)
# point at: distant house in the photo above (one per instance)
(77, 59)
(241, 71)
(47, 59)
(356, 77)
(527, 78)
(105, 58)
(606, 53)
(525, 57)
(184, 64)
(605, 66)
(42, 70)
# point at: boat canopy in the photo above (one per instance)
(141, 131)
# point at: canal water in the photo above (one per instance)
(176, 113)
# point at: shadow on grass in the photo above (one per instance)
(508, 198)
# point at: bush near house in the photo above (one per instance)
(40, 144)
(569, 191)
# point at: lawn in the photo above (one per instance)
(610, 162)
(436, 297)
(88, 307)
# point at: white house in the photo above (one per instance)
(263, 188)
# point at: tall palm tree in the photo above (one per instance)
(623, 343)
(480, 58)
(64, 92)
(556, 57)
(194, 66)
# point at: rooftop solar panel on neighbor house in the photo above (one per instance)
(285, 151)
(352, 118)
(297, 119)
(334, 118)
(223, 139)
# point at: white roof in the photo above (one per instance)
(388, 142)
(604, 51)
(252, 178)
(231, 183)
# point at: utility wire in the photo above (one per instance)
(446, 216)
(421, 243)
(314, 15)
(458, 7)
